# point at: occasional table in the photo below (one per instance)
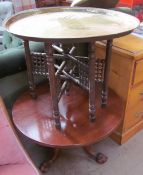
(51, 117)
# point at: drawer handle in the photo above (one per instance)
(139, 114)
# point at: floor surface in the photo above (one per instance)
(122, 160)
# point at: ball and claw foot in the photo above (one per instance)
(101, 158)
(44, 167)
(46, 164)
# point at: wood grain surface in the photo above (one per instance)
(34, 118)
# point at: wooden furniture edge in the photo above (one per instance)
(128, 134)
(3, 107)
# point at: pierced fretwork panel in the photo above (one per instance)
(79, 74)
(82, 68)
(39, 63)
(99, 70)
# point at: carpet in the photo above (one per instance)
(122, 160)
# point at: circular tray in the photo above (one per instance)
(70, 24)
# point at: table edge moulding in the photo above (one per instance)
(16, 20)
(79, 114)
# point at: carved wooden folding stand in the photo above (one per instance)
(74, 116)
(70, 68)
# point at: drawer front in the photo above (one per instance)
(133, 116)
(135, 96)
(138, 72)
(134, 110)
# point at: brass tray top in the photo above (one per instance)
(70, 24)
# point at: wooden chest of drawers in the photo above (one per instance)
(126, 79)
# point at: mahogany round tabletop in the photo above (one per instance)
(33, 117)
(66, 24)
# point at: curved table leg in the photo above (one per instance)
(45, 165)
(98, 157)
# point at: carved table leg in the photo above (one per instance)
(92, 61)
(99, 157)
(53, 83)
(46, 164)
(29, 69)
(104, 94)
